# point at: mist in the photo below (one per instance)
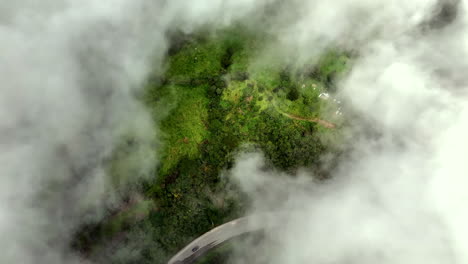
(398, 196)
(71, 72)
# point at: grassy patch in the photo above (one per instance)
(196, 61)
(185, 127)
(215, 99)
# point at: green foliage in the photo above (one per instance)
(196, 61)
(184, 129)
(333, 62)
(330, 67)
(293, 93)
(210, 104)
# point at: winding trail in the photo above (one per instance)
(317, 120)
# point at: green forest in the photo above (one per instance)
(214, 101)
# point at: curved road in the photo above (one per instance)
(446, 12)
(221, 234)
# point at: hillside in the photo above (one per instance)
(214, 101)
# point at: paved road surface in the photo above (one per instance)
(446, 13)
(221, 234)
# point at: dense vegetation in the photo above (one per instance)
(213, 102)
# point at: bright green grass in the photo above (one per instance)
(196, 61)
(267, 77)
(308, 105)
(184, 129)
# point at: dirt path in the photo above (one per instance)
(319, 121)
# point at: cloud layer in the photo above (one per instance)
(399, 197)
(70, 71)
